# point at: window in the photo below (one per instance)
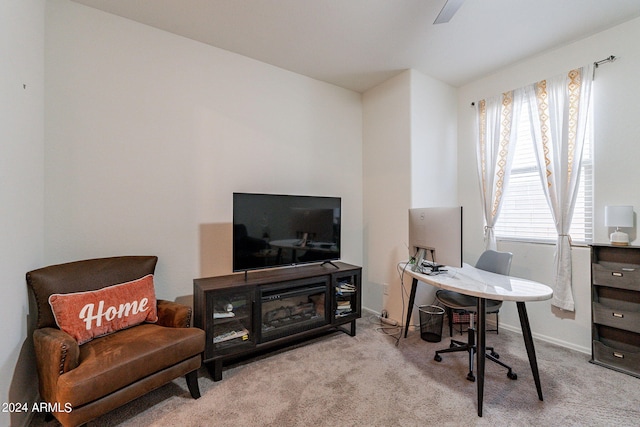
(525, 214)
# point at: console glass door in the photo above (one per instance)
(289, 310)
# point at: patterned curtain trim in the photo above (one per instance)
(505, 138)
(496, 134)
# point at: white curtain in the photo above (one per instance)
(496, 136)
(558, 114)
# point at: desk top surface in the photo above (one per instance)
(469, 280)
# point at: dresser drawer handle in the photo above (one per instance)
(616, 274)
(618, 355)
(628, 269)
(620, 315)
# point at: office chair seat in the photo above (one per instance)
(458, 301)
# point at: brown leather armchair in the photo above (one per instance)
(83, 381)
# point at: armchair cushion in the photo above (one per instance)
(110, 363)
(90, 314)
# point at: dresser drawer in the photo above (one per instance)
(617, 275)
(627, 360)
(628, 320)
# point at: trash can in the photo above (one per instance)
(431, 318)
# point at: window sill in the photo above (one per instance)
(539, 241)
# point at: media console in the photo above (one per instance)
(243, 314)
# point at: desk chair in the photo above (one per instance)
(495, 262)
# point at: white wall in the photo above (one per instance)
(433, 158)
(617, 132)
(409, 161)
(434, 145)
(21, 191)
(387, 188)
(149, 134)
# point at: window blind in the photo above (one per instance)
(525, 214)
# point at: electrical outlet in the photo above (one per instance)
(385, 289)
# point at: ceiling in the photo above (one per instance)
(357, 44)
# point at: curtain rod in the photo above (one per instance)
(596, 64)
(610, 58)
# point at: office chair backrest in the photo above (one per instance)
(495, 262)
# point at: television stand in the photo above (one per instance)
(331, 263)
(248, 313)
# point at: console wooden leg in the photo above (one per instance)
(215, 370)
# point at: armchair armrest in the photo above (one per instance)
(173, 314)
(56, 353)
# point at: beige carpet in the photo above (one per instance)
(367, 380)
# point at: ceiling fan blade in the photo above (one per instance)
(448, 10)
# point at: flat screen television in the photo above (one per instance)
(435, 237)
(275, 230)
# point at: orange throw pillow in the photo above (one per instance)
(91, 314)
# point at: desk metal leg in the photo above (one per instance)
(528, 342)
(481, 349)
(412, 299)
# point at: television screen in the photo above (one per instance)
(271, 230)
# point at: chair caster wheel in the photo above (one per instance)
(496, 355)
(512, 375)
(471, 377)
(437, 358)
(452, 345)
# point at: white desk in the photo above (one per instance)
(485, 285)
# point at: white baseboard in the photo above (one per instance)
(541, 337)
(551, 340)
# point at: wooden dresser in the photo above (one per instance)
(615, 313)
